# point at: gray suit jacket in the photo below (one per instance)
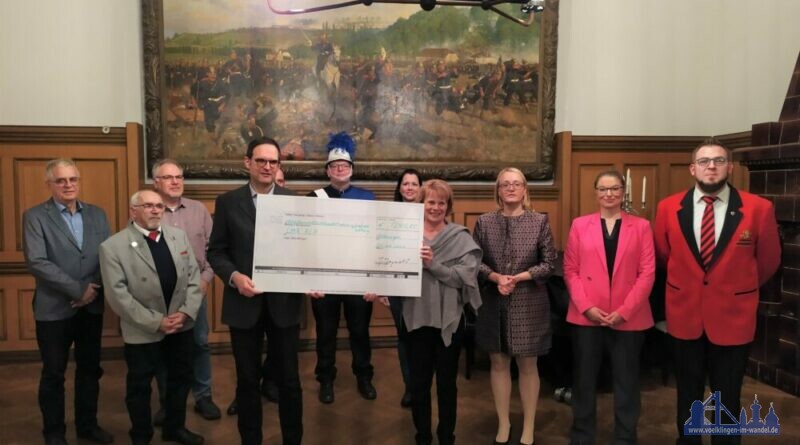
(133, 289)
(61, 268)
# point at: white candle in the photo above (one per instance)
(644, 189)
(628, 183)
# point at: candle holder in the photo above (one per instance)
(627, 206)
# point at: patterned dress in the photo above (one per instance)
(519, 324)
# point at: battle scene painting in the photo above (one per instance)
(456, 91)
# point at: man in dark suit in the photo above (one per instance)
(248, 311)
(60, 241)
(719, 245)
(152, 282)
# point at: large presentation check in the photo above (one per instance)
(343, 246)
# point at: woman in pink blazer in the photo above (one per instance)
(609, 268)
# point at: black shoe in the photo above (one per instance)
(96, 435)
(269, 390)
(55, 440)
(366, 389)
(508, 441)
(326, 392)
(158, 418)
(405, 402)
(233, 408)
(183, 436)
(206, 408)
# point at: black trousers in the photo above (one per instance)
(427, 355)
(284, 343)
(143, 360)
(55, 338)
(624, 348)
(725, 367)
(396, 307)
(357, 313)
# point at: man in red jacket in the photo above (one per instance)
(719, 246)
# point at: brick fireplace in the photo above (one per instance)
(773, 160)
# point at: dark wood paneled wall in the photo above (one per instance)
(111, 171)
(105, 162)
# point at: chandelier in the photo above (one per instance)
(527, 7)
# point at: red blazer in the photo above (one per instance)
(722, 301)
(586, 272)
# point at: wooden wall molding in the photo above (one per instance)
(383, 191)
(653, 143)
(635, 143)
(20, 134)
(737, 140)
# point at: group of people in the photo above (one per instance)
(717, 244)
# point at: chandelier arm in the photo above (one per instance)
(527, 22)
(313, 9)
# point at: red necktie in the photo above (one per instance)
(707, 231)
(153, 235)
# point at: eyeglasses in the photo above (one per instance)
(340, 166)
(169, 178)
(150, 206)
(261, 163)
(509, 185)
(61, 182)
(617, 189)
(705, 162)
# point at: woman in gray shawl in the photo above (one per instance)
(434, 321)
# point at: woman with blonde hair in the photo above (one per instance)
(514, 322)
(434, 322)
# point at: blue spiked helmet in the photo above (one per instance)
(341, 147)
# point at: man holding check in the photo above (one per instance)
(250, 312)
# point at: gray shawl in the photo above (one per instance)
(448, 284)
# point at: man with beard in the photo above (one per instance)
(719, 245)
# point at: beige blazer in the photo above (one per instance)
(133, 290)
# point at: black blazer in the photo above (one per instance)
(230, 249)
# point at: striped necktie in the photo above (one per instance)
(707, 243)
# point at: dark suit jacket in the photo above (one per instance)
(722, 301)
(230, 249)
(62, 269)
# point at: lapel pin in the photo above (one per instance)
(134, 244)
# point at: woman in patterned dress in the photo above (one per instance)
(514, 321)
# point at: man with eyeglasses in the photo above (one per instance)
(60, 239)
(358, 312)
(193, 218)
(248, 311)
(719, 245)
(152, 283)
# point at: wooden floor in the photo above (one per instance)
(352, 420)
